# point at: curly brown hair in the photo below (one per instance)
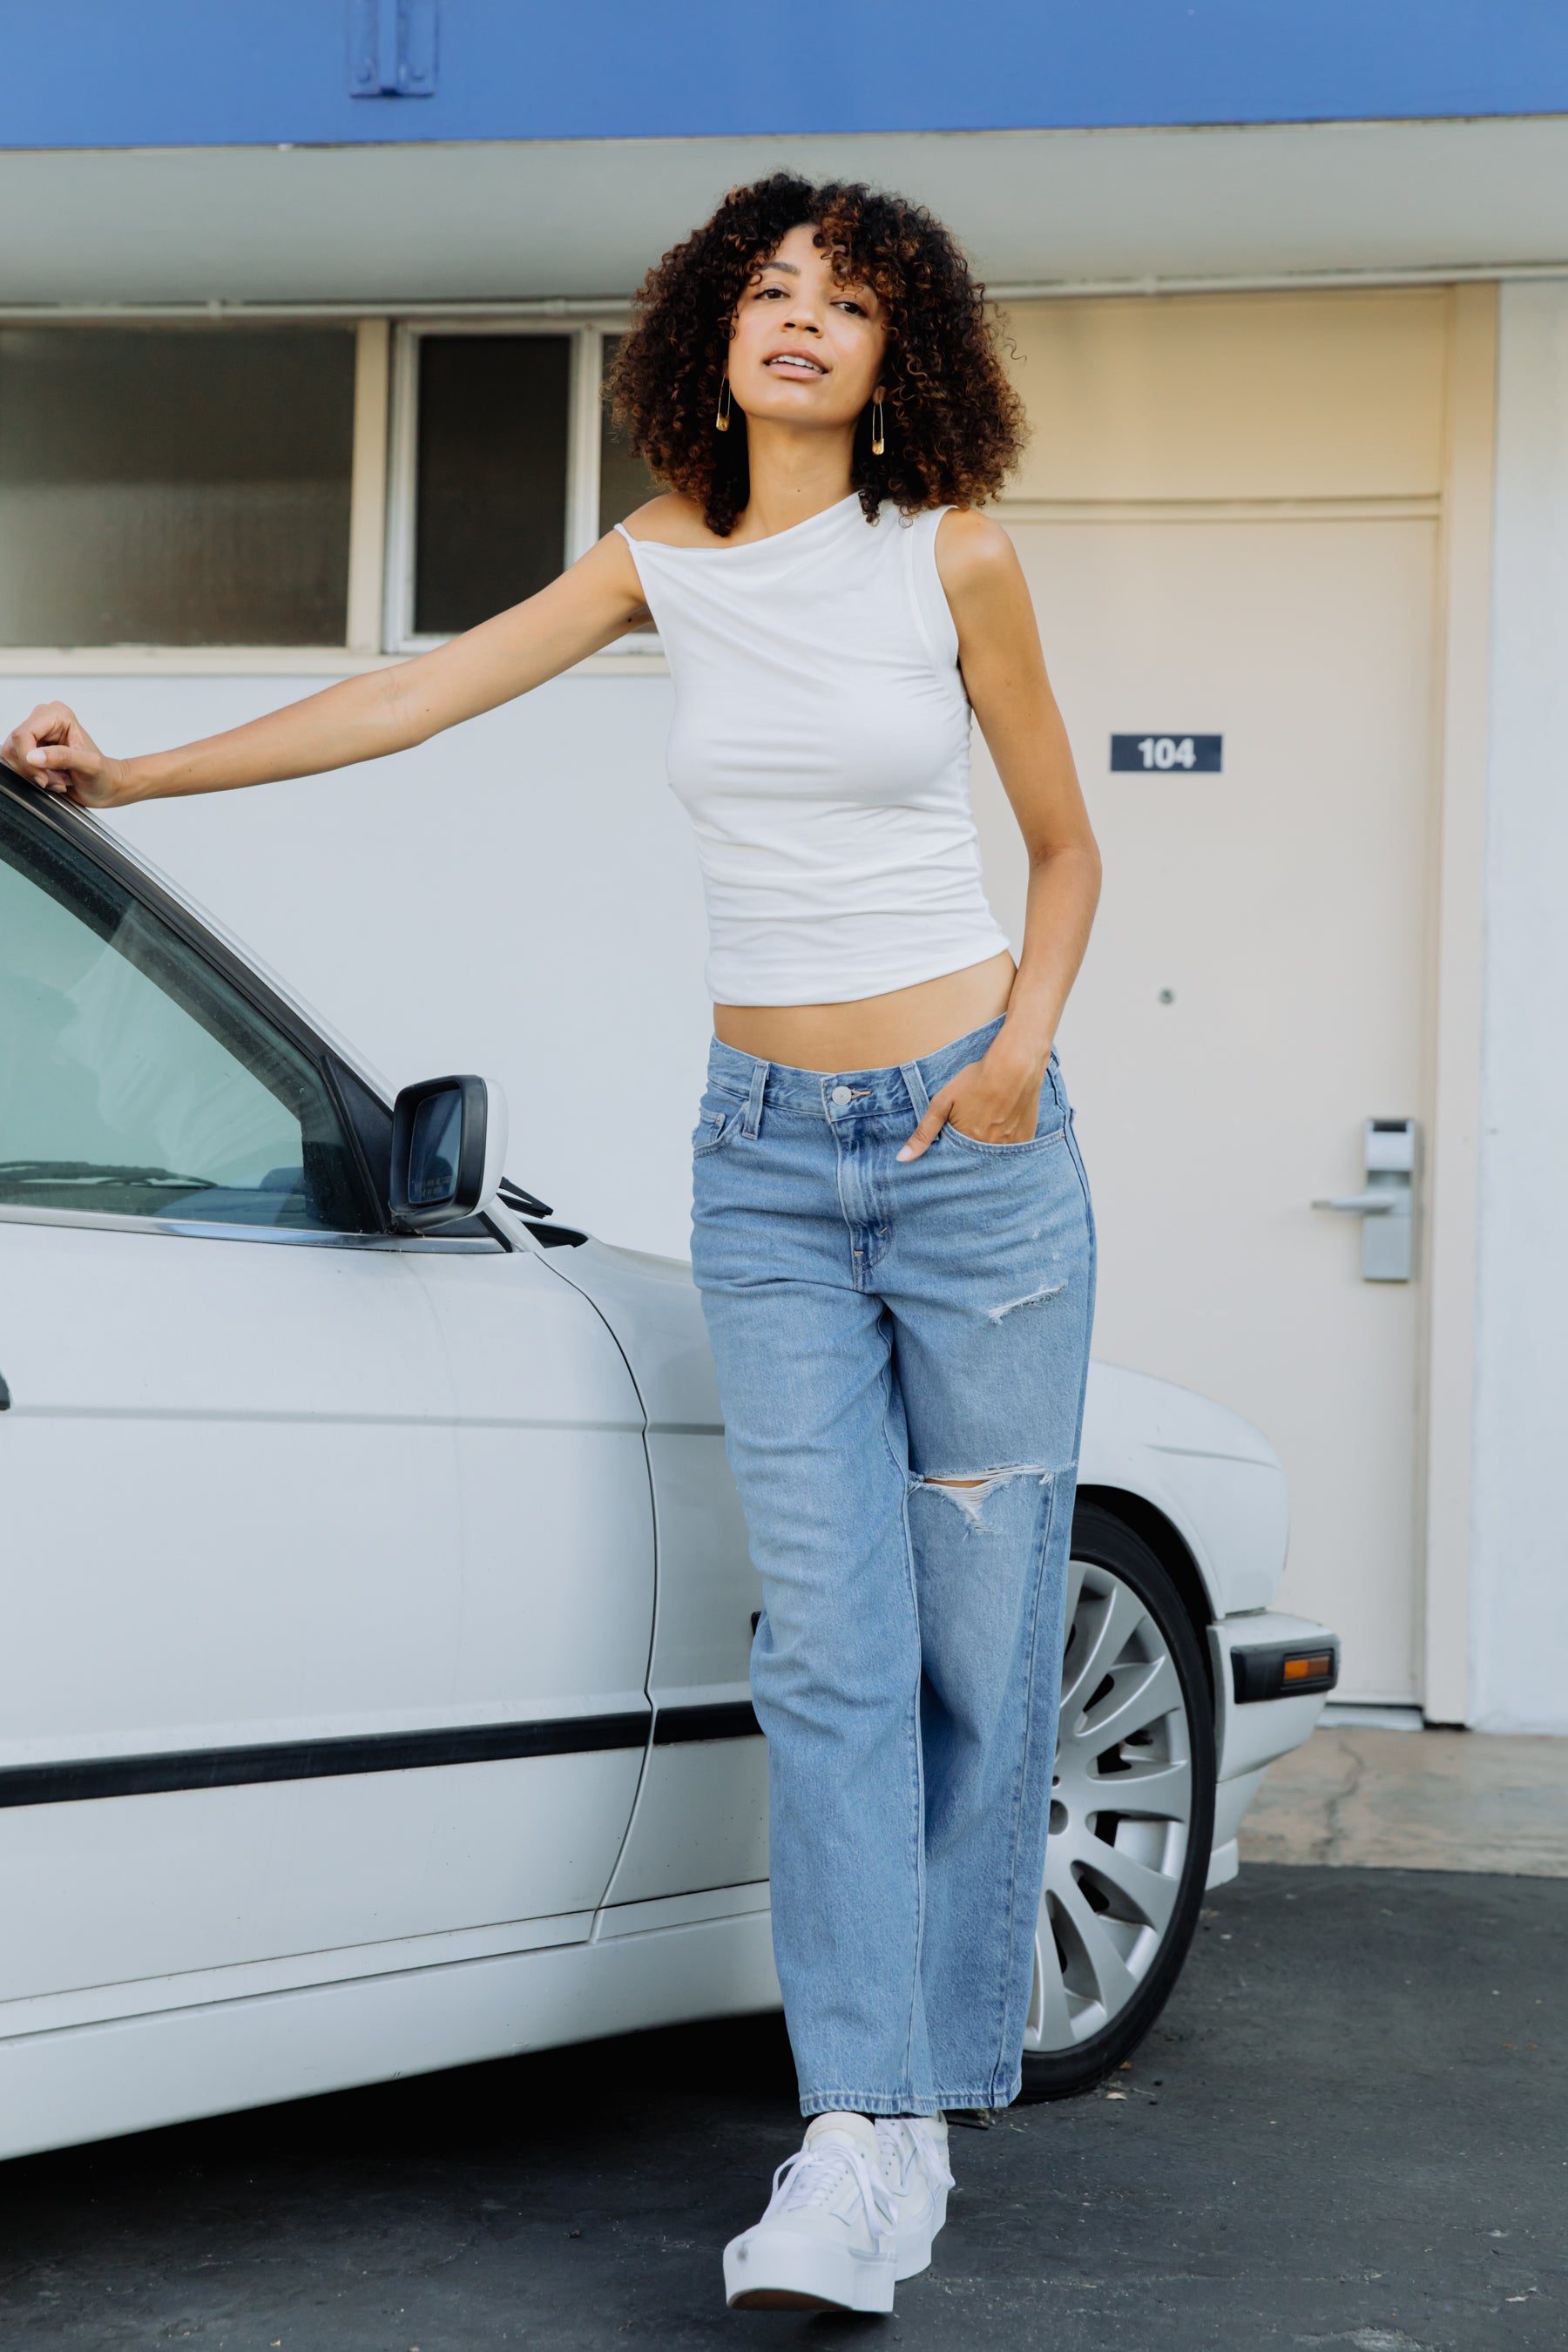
(956, 425)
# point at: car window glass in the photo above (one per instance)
(134, 1080)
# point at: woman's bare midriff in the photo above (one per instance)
(873, 1032)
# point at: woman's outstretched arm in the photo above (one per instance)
(361, 717)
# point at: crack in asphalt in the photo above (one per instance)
(1334, 1828)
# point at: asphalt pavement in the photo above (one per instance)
(1351, 2128)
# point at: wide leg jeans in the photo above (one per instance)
(879, 1329)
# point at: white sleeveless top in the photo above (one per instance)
(820, 746)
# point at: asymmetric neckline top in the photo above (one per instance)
(820, 746)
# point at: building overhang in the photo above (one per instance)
(525, 220)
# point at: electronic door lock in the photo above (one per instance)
(1388, 1207)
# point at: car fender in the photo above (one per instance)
(1210, 1473)
(651, 1304)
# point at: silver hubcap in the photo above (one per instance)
(1120, 1806)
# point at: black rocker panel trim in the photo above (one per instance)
(316, 1759)
(731, 1719)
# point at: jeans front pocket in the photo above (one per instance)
(714, 1128)
(1050, 1124)
(1006, 1150)
(1049, 1131)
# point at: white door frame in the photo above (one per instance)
(1443, 1529)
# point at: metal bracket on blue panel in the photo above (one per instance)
(391, 49)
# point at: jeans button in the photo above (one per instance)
(841, 1094)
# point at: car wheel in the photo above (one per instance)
(1132, 1812)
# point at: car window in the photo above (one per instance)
(133, 1078)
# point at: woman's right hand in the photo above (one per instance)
(54, 748)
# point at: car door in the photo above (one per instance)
(263, 1696)
(557, 1527)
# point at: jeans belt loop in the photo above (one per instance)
(753, 1121)
(911, 1073)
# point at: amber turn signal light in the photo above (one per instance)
(1283, 1670)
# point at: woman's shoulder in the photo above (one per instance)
(974, 552)
(970, 541)
(672, 520)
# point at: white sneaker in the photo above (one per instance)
(914, 2166)
(825, 2243)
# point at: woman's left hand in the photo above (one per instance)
(993, 1100)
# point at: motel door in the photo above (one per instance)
(1254, 993)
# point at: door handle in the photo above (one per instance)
(1392, 1149)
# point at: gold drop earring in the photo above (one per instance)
(877, 443)
(721, 422)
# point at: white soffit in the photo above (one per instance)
(526, 221)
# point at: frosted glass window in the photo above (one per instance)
(133, 1079)
(490, 504)
(174, 485)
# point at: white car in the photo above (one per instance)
(376, 1598)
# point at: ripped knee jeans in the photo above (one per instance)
(901, 1354)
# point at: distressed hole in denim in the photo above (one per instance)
(1030, 1298)
(971, 1495)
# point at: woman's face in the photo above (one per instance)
(806, 350)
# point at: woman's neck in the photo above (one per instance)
(794, 475)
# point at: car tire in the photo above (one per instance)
(1124, 1880)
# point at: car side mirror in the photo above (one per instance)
(448, 1145)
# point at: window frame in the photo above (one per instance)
(377, 625)
(584, 425)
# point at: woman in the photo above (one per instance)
(892, 1233)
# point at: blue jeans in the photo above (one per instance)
(880, 1328)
